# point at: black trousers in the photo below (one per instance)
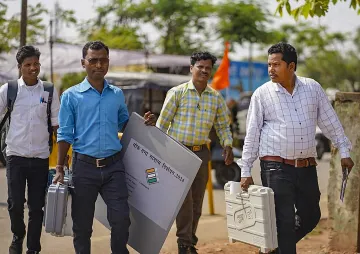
(34, 171)
(110, 182)
(297, 194)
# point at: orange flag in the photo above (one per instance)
(221, 78)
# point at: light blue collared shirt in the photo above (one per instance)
(90, 121)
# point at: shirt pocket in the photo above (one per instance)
(112, 113)
(208, 115)
(41, 110)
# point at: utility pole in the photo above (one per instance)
(23, 23)
(51, 42)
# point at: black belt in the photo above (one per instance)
(98, 162)
(197, 148)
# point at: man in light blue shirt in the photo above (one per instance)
(91, 115)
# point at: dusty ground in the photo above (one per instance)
(315, 243)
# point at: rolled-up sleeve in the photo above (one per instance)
(66, 120)
(55, 107)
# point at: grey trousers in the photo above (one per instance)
(190, 212)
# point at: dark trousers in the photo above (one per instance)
(189, 215)
(110, 182)
(34, 171)
(294, 188)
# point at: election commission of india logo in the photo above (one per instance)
(151, 176)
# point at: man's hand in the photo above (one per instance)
(347, 163)
(150, 118)
(246, 182)
(59, 177)
(228, 155)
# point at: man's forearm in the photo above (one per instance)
(55, 128)
(63, 148)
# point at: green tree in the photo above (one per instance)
(322, 55)
(177, 22)
(36, 29)
(244, 22)
(116, 25)
(310, 40)
(121, 37)
(35, 25)
(5, 39)
(71, 79)
(312, 7)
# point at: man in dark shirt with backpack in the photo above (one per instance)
(31, 107)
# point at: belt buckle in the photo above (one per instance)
(307, 164)
(296, 163)
(196, 148)
(98, 163)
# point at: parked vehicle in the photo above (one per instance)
(225, 173)
(323, 144)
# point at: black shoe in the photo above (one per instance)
(32, 252)
(183, 249)
(193, 250)
(16, 246)
(275, 251)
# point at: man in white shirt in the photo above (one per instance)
(27, 151)
(281, 125)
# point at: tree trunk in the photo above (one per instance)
(344, 216)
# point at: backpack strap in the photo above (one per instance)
(11, 94)
(49, 87)
(11, 97)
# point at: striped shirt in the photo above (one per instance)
(284, 124)
(188, 117)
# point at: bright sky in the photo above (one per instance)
(339, 18)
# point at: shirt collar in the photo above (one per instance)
(192, 87)
(21, 82)
(85, 85)
(280, 88)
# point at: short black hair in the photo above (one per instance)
(197, 56)
(287, 50)
(94, 45)
(25, 52)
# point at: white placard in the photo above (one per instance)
(147, 177)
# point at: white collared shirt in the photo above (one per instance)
(283, 124)
(28, 134)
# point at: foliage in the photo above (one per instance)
(116, 25)
(321, 55)
(312, 7)
(71, 79)
(183, 25)
(178, 22)
(243, 22)
(36, 29)
(118, 37)
(310, 40)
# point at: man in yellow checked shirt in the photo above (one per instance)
(188, 113)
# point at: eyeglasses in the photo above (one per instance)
(94, 61)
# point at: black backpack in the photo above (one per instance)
(5, 123)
